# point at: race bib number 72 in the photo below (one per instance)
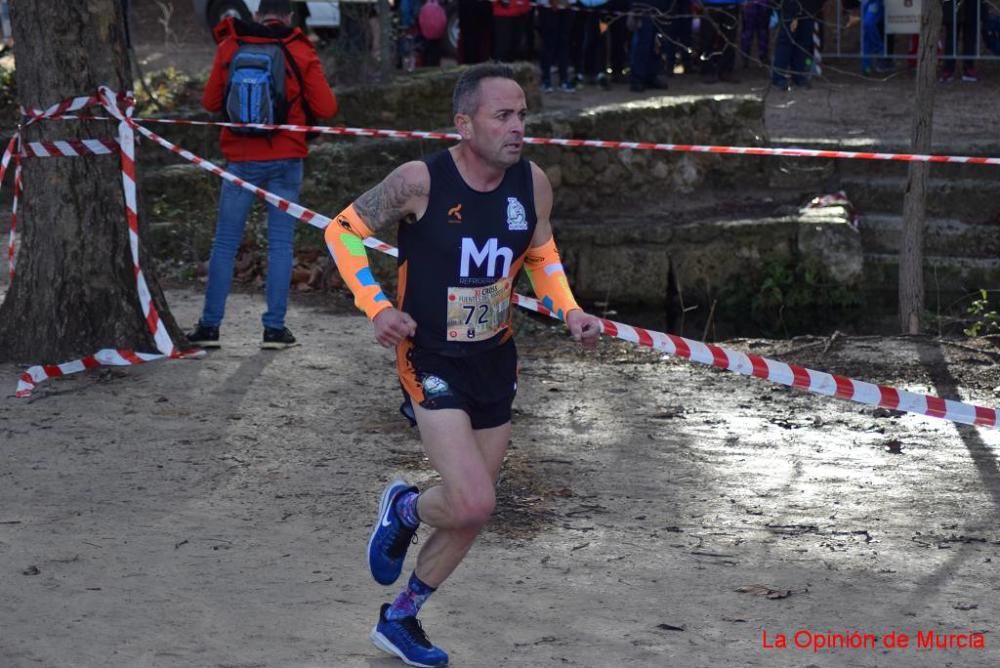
(478, 314)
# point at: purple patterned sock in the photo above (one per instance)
(408, 603)
(406, 509)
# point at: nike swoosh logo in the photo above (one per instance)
(385, 517)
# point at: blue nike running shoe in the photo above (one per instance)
(406, 639)
(390, 537)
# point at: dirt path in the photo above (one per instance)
(214, 512)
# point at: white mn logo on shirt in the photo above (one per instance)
(486, 258)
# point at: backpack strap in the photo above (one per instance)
(310, 117)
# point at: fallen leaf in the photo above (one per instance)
(669, 627)
(764, 591)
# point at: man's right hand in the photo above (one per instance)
(392, 326)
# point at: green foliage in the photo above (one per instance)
(985, 320)
(168, 90)
(786, 297)
(9, 112)
(307, 236)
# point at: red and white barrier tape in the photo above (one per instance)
(59, 110)
(106, 357)
(69, 148)
(817, 382)
(790, 152)
(11, 151)
(295, 210)
(72, 147)
(18, 189)
(126, 141)
(751, 365)
(787, 152)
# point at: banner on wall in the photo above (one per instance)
(902, 17)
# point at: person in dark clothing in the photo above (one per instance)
(512, 26)
(554, 24)
(756, 25)
(618, 41)
(646, 64)
(680, 36)
(476, 214)
(719, 39)
(475, 25)
(793, 48)
(593, 57)
(961, 19)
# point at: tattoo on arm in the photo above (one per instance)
(384, 203)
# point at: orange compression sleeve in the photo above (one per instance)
(548, 278)
(345, 239)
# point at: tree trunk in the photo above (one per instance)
(911, 246)
(74, 291)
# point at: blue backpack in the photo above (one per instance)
(255, 92)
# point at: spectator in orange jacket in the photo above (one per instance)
(272, 161)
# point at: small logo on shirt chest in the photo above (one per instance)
(517, 219)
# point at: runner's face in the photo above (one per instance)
(497, 127)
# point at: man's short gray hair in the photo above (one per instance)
(465, 99)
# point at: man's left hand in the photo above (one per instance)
(584, 327)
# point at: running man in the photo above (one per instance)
(472, 216)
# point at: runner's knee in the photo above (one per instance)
(473, 510)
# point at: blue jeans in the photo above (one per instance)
(283, 178)
(792, 50)
(872, 40)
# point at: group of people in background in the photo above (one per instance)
(643, 42)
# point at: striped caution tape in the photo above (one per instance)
(752, 365)
(760, 151)
(69, 148)
(106, 357)
(121, 108)
(18, 190)
(62, 109)
(789, 152)
(11, 152)
(818, 382)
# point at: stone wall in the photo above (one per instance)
(586, 181)
(623, 261)
(636, 226)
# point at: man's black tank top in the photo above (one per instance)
(457, 264)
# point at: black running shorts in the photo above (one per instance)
(483, 385)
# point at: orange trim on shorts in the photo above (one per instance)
(407, 374)
(401, 287)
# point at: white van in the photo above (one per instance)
(324, 15)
